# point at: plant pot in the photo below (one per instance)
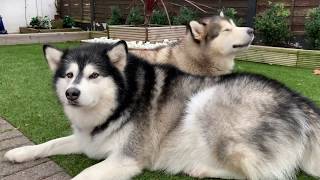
(24, 30)
(151, 34)
(57, 17)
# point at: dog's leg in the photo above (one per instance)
(117, 167)
(311, 159)
(65, 145)
(206, 172)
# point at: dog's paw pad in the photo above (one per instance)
(19, 155)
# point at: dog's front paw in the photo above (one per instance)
(21, 154)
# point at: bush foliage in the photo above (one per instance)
(35, 21)
(272, 25)
(159, 18)
(312, 27)
(116, 16)
(135, 16)
(40, 22)
(185, 16)
(233, 14)
(68, 22)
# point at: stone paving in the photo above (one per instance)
(43, 169)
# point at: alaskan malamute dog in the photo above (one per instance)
(208, 48)
(139, 116)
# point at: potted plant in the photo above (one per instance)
(140, 27)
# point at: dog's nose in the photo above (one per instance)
(72, 94)
(250, 31)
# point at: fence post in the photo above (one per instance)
(93, 13)
(252, 8)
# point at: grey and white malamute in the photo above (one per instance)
(139, 116)
(208, 48)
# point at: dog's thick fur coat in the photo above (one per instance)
(137, 116)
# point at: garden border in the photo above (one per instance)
(12, 39)
(151, 34)
(282, 56)
(25, 30)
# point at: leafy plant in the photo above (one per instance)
(35, 21)
(68, 22)
(232, 14)
(116, 16)
(45, 22)
(272, 25)
(185, 16)
(312, 27)
(40, 22)
(159, 17)
(135, 17)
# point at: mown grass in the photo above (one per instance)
(27, 99)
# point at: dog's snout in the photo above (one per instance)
(250, 31)
(72, 94)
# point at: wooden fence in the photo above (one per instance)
(298, 10)
(99, 10)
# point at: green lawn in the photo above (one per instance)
(28, 101)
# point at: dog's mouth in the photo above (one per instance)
(241, 45)
(74, 103)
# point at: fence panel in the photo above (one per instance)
(81, 9)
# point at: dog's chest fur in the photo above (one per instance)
(102, 145)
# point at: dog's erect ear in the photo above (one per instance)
(197, 30)
(221, 14)
(53, 56)
(118, 54)
(232, 22)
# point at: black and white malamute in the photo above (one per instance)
(137, 116)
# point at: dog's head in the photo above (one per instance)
(220, 35)
(90, 76)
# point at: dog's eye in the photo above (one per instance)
(69, 75)
(94, 75)
(227, 30)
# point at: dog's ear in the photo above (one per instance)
(232, 22)
(53, 56)
(197, 30)
(221, 14)
(118, 54)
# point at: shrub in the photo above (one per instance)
(185, 16)
(35, 21)
(272, 25)
(68, 22)
(40, 22)
(232, 14)
(116, 17)
(135, 17)
(159, 17)
(312, 27)
(45, 23)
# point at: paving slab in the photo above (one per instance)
(40, 169)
